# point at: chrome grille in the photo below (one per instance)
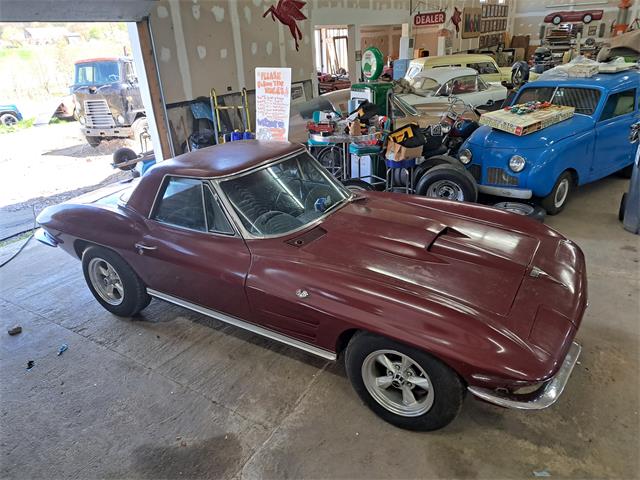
(97, 114)
(497, 176)
(476, 172)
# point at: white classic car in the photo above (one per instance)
(436, 84)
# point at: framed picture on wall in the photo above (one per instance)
(471, 22)
(484, 11)
(593, 30)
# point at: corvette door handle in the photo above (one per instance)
(141, 247)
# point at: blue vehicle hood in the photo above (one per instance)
(488, 137)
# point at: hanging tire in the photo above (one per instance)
(623, 207)
(448, 182)
(123, 155)
(555, 202)
(533, 212)
(8, 119)
(113, 282)
(357, 185)
(519, 73)
(404, 386)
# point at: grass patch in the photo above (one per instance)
(21, 125)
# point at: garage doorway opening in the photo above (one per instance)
(70, 98)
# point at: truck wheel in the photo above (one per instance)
(623, 207)
(555, 202)
(94, 141)
(448, 183)
(123, 155)
(519, 74)
(404, 386)
(8, 119)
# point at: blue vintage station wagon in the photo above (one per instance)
(548, 164)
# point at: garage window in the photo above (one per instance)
(618, 104)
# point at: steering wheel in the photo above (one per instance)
(314, 195)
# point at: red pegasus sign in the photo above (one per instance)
(288, 12)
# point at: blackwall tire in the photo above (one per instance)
(623, 207)
(94, 141)
(448, 182)
(556, 20)
(555, 202)
(625, 172)
(532, 211)
(113, 282)
(123, 155)
(381, 372)
(357, 185)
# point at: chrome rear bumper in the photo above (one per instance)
(546, 396)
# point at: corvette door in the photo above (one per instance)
(191, 251)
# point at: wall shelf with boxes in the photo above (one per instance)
(493, 25)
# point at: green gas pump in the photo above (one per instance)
(372, 90)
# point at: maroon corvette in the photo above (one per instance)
(426, 299)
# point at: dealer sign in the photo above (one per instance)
(426, 19)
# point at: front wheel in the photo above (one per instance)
(555, 202)
(113, 282)
(94, 141)
(404, 386)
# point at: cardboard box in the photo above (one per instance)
(528, 123)
(398, 153)
(583, 70)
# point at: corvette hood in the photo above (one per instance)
(423, 249)
(488, 137)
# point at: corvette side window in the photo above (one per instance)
(217, 221)
(182, 204)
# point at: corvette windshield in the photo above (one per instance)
(285, 196)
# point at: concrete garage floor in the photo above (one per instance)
(182, 396)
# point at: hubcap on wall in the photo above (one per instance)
(398, 383)
(106, 281)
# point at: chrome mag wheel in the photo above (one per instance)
(446, 190)
(398, 383)
(106, 281)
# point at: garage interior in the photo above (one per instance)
(173, 393)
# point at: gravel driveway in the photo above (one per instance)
(46, 165)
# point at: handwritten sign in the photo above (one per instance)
(273, 102)
(426, 19)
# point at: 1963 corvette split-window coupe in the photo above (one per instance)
(426, 299)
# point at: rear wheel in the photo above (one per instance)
(555, 202)
(113, 282)
(404, 386)
(331, 159)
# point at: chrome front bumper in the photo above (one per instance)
(45, 237)
(520, 193)
(108, 132)
(546, 396)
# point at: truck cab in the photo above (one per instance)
(108, 99)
